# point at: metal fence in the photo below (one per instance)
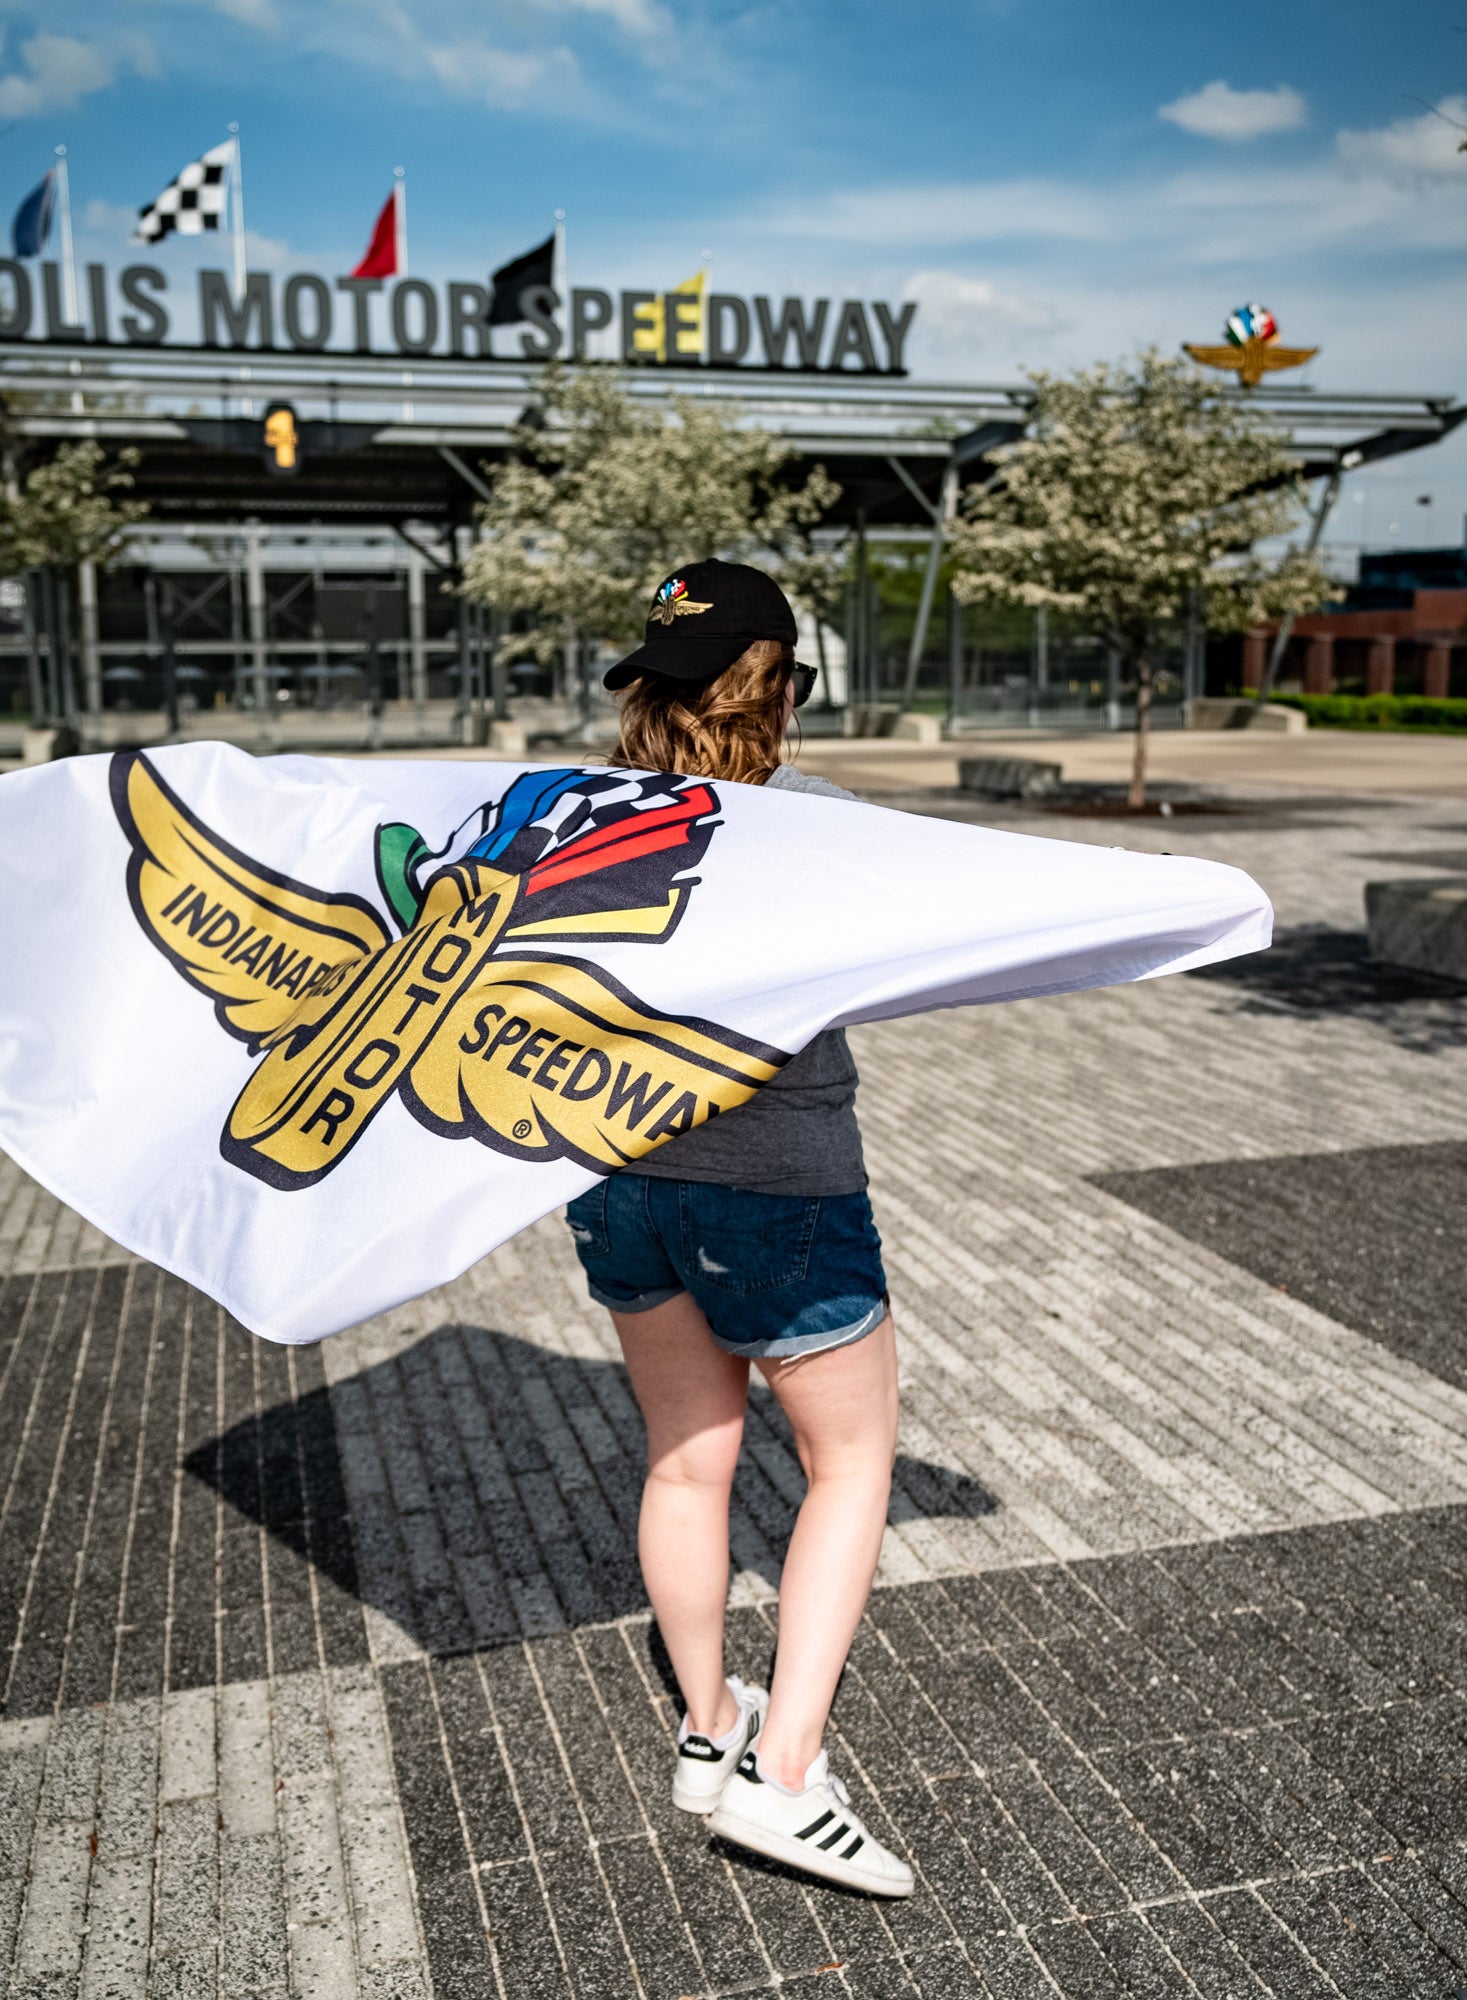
(1070, 685)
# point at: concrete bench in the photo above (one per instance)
(1421, 924)
(1009, 777)
(44, 746)
(1223, 712)
(886, 718)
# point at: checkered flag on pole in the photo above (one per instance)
(193, 201)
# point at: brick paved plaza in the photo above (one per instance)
(328, 1670)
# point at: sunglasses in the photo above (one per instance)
(804, 680)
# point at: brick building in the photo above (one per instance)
(1402, 629)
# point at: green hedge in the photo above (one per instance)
(1379, 711)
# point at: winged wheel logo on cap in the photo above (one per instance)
(672, 601)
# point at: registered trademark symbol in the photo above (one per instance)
(523, 1129)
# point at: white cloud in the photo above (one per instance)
(59, 71)
(260, 14)
(253, 13)
(267, 253)
(1412, 148)
(140, 56)
(1257, 215)
(109, 218)
(1371, 193)
(107, 222)
(972, 212)
(636, 17)
(953, 305)
(1217, 111)
(500, 78)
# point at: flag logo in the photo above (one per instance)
(461, 995)
(193, 200)
(672, 601)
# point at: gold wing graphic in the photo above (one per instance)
(268, 950)
(1287, 357)
(536, 1055)
(1215, 357)
(678, 607)
(1253, 360)
(473, 1015)
(548, 1056)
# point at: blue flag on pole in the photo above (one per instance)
(32, 224)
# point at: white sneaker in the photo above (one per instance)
(704, 1766)
(813, 1829)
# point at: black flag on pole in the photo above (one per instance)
(512, 280)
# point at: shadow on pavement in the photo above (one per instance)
(477, 1487)
(1314, 974)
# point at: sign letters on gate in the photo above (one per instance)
(413, 317)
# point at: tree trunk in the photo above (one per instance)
(825, 701)
(1136, 797)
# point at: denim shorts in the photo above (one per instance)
(774, 1274)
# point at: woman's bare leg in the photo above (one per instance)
(692, 1395)
(842, 1407)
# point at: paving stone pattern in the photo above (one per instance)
(328, 1672)
(1376, 1237)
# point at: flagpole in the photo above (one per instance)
(399, 255)
(68, 252)
(558, 281)
(236, 189)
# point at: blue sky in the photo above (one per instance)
(1051, 181)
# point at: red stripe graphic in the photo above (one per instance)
(625, 840)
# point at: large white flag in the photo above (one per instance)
(318, 1035)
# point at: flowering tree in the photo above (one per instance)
(67, 511)
(605, 494)
(815, 578)
(1137, 486)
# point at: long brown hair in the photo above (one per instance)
(728, 727)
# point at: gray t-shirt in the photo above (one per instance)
(798, 1135)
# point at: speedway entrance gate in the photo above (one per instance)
(262, 584)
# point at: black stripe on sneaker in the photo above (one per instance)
(831, 1838)
(815, 1826)
(847, 1852)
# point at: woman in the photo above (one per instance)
(750, 1239)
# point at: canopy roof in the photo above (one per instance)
(381, 443)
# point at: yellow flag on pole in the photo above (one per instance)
(674, 321)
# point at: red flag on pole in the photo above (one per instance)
(381, 258)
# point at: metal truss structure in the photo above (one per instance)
(385, 443)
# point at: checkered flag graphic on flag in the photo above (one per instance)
(193, 201)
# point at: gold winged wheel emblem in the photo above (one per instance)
(465, 999)
(672, 601)
(1251, 360)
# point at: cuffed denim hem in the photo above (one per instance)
(639, 1302)
(791, 1344)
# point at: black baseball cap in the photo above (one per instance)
(702, 618)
